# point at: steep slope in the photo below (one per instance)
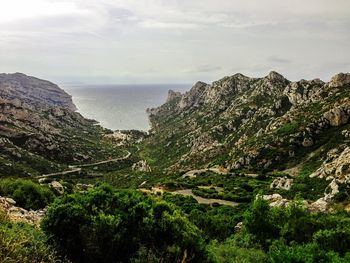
(34, 93)
(251, 123)
(40, 130)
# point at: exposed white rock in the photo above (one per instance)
(336, 169)
(337, 116)
(141, 166)
(340, 79)
(18, 214)
(57, 187)
(276, 200)
(319, 206)
(282, 183)
(238, 227)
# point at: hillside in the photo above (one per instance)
(240, 170)
(40, 132)
(251, 123)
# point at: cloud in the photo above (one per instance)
(120, 40)
(203, 69)
(17, 10)
(278, 60)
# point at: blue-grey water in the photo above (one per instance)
(120, 107)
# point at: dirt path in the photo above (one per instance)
(194, 173)
(78, 168)
(103, 162)
(202, 200)
(188, 192)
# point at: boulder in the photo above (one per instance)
(238, 227)
(58, 187)
(337, 116)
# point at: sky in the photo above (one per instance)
(173, 41)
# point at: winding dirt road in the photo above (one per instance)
(78, 168)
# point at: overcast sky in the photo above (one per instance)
(173, 41)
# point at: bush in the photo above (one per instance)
(26, 193)
(337, 240)
(229, 252)
(260, 222)
(280, 252)
(23, 243)
(105, 225)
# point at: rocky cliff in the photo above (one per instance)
(251, 123)
(40, 130)
(33, 93)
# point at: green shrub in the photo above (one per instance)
(260, 222)
(229, 252)
(26, 193)
(23, 243)
(280, 252)
(105, 225)
(288, 128)
(337, 240)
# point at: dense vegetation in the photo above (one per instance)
(104, 225)
(27, 194)
(21, 242)
(109, 225)
(243, 135)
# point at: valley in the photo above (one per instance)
(240, 167)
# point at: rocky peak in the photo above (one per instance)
(172, 95)
(193, 97)
(274, 76)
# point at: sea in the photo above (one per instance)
(120, 107)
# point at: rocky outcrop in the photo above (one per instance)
(39, 128)
(32, 92)
(141, 166)
(340, 80)
(57, 186)
(275, 200)
(337, 116)
(18, 214)
(336, 169)
(319, 205)
(172, 95)
(282, 183)
(253, 123)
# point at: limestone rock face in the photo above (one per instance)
(18, 214)
(340, 79)
(276, 200)
(172, 95)
(254, 123)
(193, 97)
(319, 206)
(303, 91)
(336, 169)
(39, 124)
(33, 92)
(336, 166)
(141, 166)
(337, 116)
(282, 183)
(57, 186)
